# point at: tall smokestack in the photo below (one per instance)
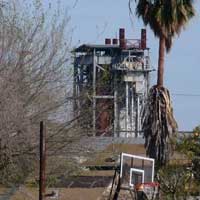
(122, 39)
(143, 39)
(114, 41)
(107, 41)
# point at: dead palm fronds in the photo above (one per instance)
(159, 124)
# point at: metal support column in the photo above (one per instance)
(116, 131)
(148, 75)
(138, 116)
(75, 89)
(132, 114)
(127, 108)
(94, 94)
(81, 78)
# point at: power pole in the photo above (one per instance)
(42, 161)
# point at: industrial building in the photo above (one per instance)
(111, 83)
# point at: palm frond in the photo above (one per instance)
(165, 17)
(159, 124)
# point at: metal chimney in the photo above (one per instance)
(115, 41)
(107, 41)
(143, 39)
(122, 40)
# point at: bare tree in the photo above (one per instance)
(34, 55)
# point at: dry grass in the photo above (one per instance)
(97, 173)
(31, 193)
(64, 194)
(114, 150)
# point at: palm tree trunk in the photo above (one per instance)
(160, 77)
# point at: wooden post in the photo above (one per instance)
(42, 161)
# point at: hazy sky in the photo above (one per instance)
(94, 20)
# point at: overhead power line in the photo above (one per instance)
(186, 95)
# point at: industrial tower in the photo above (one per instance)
(111, 83)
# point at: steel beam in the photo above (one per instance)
(127, 106)
(94, 94)
(104, 97)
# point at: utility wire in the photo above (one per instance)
(185, 94)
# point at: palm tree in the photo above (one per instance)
(166, 18)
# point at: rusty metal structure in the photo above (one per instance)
(111, 83)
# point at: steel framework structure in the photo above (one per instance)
(112, 81)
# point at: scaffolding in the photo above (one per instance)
(112, 82)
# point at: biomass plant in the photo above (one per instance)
(111, 83)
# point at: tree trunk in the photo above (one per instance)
(160, 78)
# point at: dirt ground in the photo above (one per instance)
(90, 185)
(85, 188)
(114, 150)
(63, 194)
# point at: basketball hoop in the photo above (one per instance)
(141, 186)
(149, 190)
(136, 175)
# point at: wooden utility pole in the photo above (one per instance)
(42, 161)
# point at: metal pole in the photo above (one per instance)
(138, 116)
(148, 67)
(115, 109)
(42, 161)
(126, 118)
(132, 114)
(94, 94)
(75, 88)
(81, 78)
